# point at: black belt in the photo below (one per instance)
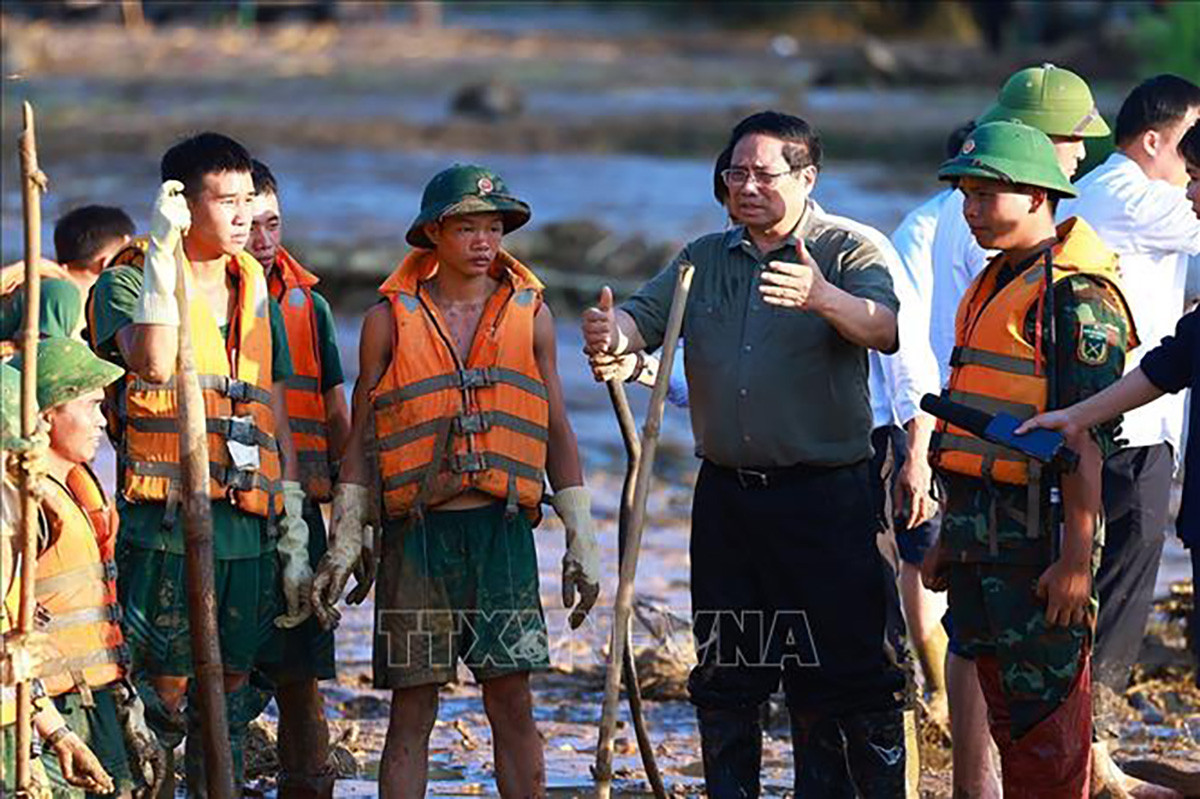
(749, 477)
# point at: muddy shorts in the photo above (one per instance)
(461, 584)
(101, 730)
(304, 652)
(152, 589)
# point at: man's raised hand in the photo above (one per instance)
(600, 332)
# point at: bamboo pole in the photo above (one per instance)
(633, 688)
(33, 183)
(623, 606)
(198, 531)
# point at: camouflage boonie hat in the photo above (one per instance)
(68, 369)
(465, 189)
(10, 407)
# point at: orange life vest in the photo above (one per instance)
(291, 284)
(12, 278)
(994, 367)
(235, 379)
(444, 425)
(76, 585)
(9, 612)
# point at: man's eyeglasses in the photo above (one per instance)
(737, 176)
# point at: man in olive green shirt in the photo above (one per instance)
(787, 581)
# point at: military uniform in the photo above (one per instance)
(1041, 332)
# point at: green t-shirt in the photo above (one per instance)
(236, 534)
(61, 308)
(1090, 335)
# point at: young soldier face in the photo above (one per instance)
(764, 189)
(76, 426)
(997, 212)
(266, 229)
(469, 243)
(221, 214)
(1070, 151)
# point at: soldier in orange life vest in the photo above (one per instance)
(76, 575)
(203, 213)
(320, 424)
(1017, 562)
(25, 655)
(459, 393)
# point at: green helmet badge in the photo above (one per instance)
(465, 189)
(1011, 152)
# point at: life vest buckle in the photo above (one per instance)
(467, 462)
(239, 480)
(241, 429)
(466, 423)
(237, 390)
(476, 378)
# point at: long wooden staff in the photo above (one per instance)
(633, 689)
(198, 530)
(33, 183)
(623, 608)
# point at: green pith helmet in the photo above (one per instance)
(67, 369)
(10, 407)
(465, 189)
(1011, 152)
(1056, 101)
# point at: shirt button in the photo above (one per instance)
(746, 438)
(743, 392)
(746, 348)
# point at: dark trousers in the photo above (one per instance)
(787, 582)
(1137, 491)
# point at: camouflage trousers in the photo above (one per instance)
(998, 614)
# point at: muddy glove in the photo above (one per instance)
(142, 744)
(293, 553)
(170, 218)
(364, 572)
(351, 503)
(581, 563)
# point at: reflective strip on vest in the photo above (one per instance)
(463, 379)
(227, 476)
(63, 580)
(465, 424)
(963, 356)
(75, 618)
(304, 383)
(994, 405)
(466, 463)
(117, 656)
(236, 390)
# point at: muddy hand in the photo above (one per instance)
(600, 325)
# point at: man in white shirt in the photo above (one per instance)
(1136, 202)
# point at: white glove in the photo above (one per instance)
(170, 218)
(581, 563)
(364, 572)
(351, 503)
(293, 552)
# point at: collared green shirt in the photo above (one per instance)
(772, 387)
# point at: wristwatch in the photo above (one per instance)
(638, 367)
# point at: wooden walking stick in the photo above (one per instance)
(633, 689)
(33, 183)
(623, 607)
(198, 531)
